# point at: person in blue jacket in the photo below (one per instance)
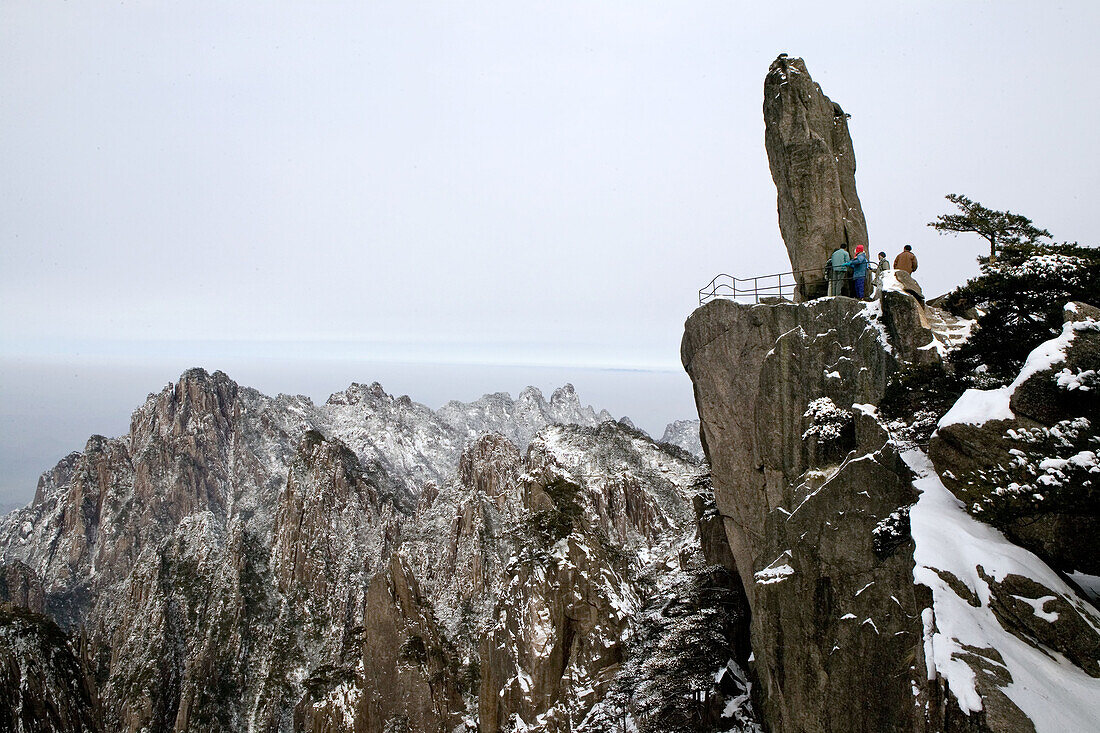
(836, 269)
(859, 265)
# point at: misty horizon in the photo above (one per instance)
(50, 409)
(303, 197)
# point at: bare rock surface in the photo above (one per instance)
(20, 587)
(45, 686)
(813, 166)
(877, 603)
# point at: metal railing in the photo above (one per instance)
(779, 285)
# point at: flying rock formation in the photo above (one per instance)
(814, 168)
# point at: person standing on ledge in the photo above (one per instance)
(859, 267)
(835, 269)
(906, 260)
(881, 267)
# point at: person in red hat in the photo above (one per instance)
(859, 270)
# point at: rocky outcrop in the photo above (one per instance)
(876, 603)
(174, 642)
(1023, 458)
(813, 165)
(805, 480)
(44, 685)
(595, 501)
(405, 677)
(20, 587)
(684, 434)
(407, 440)
(336, 525)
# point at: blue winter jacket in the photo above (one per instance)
(859, 266)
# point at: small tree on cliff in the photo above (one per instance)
(1019, 301)
(1000, 228)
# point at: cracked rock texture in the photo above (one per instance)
(848, 630)
(813, 165)
(835, 620)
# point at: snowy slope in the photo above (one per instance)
(964, 625)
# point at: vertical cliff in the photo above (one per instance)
(802, 478)
(44, 684)
(877, 603)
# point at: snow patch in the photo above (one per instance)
(1054, 693)
(776, 572)
(976, 406)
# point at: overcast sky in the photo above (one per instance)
(509, 183)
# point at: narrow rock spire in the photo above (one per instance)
(814, 168)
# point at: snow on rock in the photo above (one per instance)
(44, 683)
(520, 419)
(684, 434)
(976, 406)
(962, 561)
(252, 555)
(979, 406)
(776, 572)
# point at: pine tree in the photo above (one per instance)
(1020, 300)
(1000, 228)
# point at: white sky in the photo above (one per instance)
(485, 183)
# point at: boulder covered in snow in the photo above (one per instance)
(1024, 457)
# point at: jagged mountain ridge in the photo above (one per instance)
(237, 561)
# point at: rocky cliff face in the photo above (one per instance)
(876, 603)
(46, 686)
(242, 562)
(684, 434)
(813, 165)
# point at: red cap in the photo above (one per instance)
(859, 248)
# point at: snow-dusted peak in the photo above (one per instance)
(520, 419)
(529, 395)
(565, 396)
(357, 394)
(685, 434)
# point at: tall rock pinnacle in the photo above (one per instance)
(814, 168)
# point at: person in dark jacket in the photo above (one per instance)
(837, 267)
(859, 265)
(906, 260)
